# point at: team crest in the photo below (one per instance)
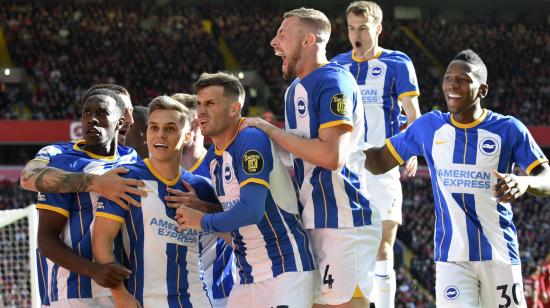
(301, 107)
(227, 174)
(376, 71)
(488, 146)
(253, 162)
(451, 293)
(339, 104)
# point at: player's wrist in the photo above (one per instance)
(94, 180)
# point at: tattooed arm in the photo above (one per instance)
(37, 176)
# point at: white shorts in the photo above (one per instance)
(291, 290)
(345, 259)
(99, 302)
(478, 284)
(219, 303)
(386, 193)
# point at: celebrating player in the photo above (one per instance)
(471, 153)
(387, 81)
(260, 207)
(69, 277)
(136, 137)
(164, 262)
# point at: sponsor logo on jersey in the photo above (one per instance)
(376, 71)
(451, 293)
(488, 146)
(301, 108)
(339, 104)
(253, 162)
(227, 173)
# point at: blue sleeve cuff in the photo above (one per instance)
(206, 222)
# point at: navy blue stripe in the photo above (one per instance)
(54, 296)
(458, 153)
(218, 177)
(290, 113)
(471, 147)
(325, 209)
(278, 246)
(479, 247)
(444, 230)
(222, 270)
(509, 232)
(360, 205)
(135, 283)
(177, 276)
(42, 265)
(245, 270)
(299, 171)
(302, 240)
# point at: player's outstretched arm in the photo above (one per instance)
(510, 187)
(190, 199)
(38, 176)
(379, 160)
(50, 226)
(329, 150)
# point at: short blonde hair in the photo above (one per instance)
(366, 9)
(167, 103)
(317, 19)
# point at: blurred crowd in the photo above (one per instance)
(153, 50)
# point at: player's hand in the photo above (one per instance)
(188, 218)
(110, 275)
(258, 123)
(118, 189)
(189, 199)
(123, 299)
(509, 187)
(411, 166)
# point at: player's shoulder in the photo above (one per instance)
(394, 56)
(333, 74)
(125, 151)
(434, 117)
(251, 136)
(55, 149)
(500, 122)
(136, 170)
(343, 58)
(193, 179)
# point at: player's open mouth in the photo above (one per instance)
(160, 146)
(123, 131)
(453, 95)
(93, 131)
(358, 44)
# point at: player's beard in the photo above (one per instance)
(291, 63)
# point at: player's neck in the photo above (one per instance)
(168, 169)
(469, 115)
(107, 149)
(191, 155)
(367, 55)
(223, 139)
(310, 63)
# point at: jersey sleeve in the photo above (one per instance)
(108, 209)
(47, 153)
(407, 143)
(526, 151)
(336, 99)
(406, 83)
(254, 159)
(59, 203)
(204, 190)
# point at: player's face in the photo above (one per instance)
(128, 118)
(166, 135)
(101, 120)
(136, 138)
(461, 87)
(286, 44)
(362, 33)
(215, 112)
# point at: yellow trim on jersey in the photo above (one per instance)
(76, 147)
(254, 180)
(52, 208)
(410, 93)
(110, 216)
(394, 152)
(472, 124)
(337, 123)
(198, 162)
(276, 241)
(220, 152)
(354, 58)
(534, 164)
(164, 180)
(358, 293)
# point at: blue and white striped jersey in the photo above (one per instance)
(329, 97)
(470, 224)
(57, 283)
(383, 81)
(165, 263)
(278, 243)
(217, 258)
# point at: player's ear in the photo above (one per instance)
(187, 137)
(483, 90)
(309, 39)
(120, 122)
(379, 28)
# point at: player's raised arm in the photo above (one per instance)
(380, 160)
(38, 176)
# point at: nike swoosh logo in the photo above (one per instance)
(441, 141)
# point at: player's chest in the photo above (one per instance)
(224, 173)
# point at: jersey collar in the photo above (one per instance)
(160, 177)
(471, 124)
(220, 151)
(77, 147)
(354, 58)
